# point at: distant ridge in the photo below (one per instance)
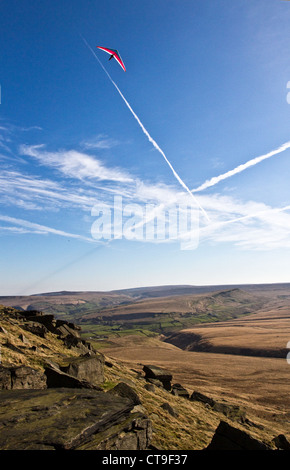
(161, 291)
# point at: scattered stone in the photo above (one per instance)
(149, 387)
(23, 339)
(233, 412)
(155, 382)
(248, 422)
(226, 437)
(108, 364)
(157, 373)
(197, 396)
(167, 407)
(180, 391)
(281, 442)
(124, 390)
(2, 330)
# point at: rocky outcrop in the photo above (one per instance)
(38, 317)
(36, 328)
(154, 373)
(227, 437)
(71, 419)
(75, 343)
(90, 368)
(56, 378)
(60, 403)
(82, 372)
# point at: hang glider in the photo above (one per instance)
(114, 54)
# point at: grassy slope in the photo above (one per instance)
(260, 385)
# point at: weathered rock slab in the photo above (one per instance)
(56, 378)
(70, 419)
(86, 368)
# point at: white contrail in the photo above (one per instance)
(146, 132)
(216, 179)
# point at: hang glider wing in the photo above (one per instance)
(114, 53)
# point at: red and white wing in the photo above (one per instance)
(109, 51)
(116, 55)
(119, 60)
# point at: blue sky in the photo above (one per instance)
(205, 89)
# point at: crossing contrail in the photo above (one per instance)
(216, 179)
(153, 142)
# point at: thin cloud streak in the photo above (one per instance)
(101, 141)
(43, 228)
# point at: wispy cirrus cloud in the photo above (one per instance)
(248, 225)
(245, 224)
(100, 141)
(84, 180)
(42, 229)
(75, 164)
(35, 193)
